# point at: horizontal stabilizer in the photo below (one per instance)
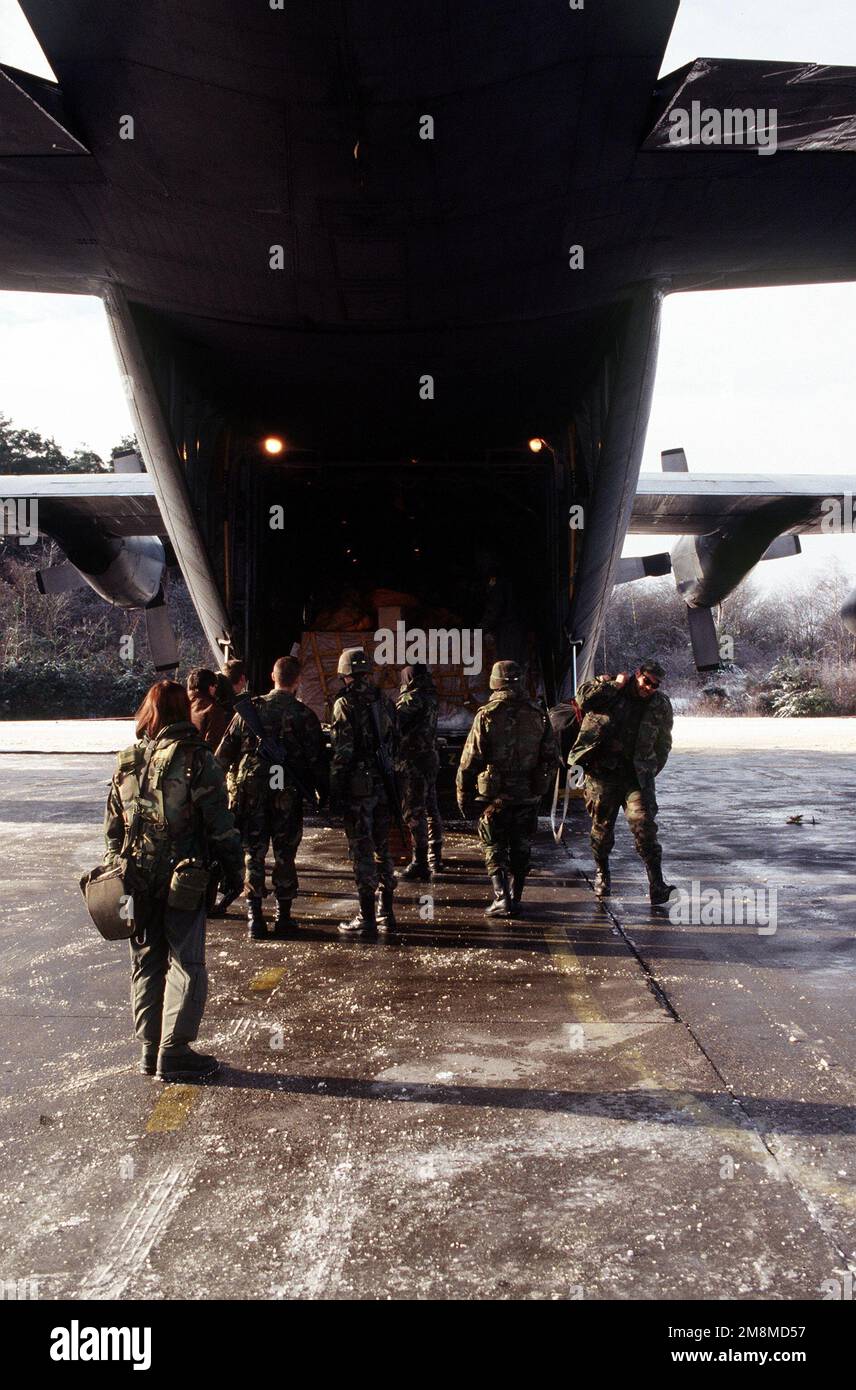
(806, 106)
(32, 118)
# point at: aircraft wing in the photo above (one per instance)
(122, 504)
(725, 524)
(812, 106)
(684, 504)
(112, 532)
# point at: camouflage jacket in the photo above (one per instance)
(169, 792)
(417, 708)
(354, 735)
(601, 742)
(510, 753)
(290, 723)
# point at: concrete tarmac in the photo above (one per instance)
(594, 1102)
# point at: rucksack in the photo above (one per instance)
(515, 730)
(566, 719)
(148, 846)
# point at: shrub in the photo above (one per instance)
(792, 690)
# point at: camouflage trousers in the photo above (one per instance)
(275, 819)
(420, 810)
(169, 982)
(506, 830)
(605, 795)
(367, 825)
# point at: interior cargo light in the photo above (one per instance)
(538, 444)
(273, 444)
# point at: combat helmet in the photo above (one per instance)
(353, 662)
(505, 674)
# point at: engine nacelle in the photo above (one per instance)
(133, 575)
(708, 568)
(126, 571)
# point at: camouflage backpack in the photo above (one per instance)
(140, 771)
(514, 731)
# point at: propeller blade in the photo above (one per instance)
(60, 579)
(128, 462)
(162, 644)
(704, 639)
(642, 567)
(782, 547)
(674, 461)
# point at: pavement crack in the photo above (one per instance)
(769, 1139)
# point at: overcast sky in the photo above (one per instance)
(761, 380)
(748, 381)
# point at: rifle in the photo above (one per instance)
(386, 770)
(273, 753)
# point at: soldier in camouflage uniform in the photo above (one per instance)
(508, 759)
(364, 724)
(231, 683)
(418, 764)
(623, 743)
(167, 817)
(269, 803)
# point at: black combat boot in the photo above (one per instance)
(602, 880)
(365, 922)
(258, 927)
(183, 1064)
(417, 870)
(284, 925)
(148, 1063)
(660, 890)
(435, 858)
(501, 905)
(518, 880)
(385, 913)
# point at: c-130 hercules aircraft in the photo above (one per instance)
(397, 271)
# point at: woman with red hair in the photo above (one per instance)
(167, 818)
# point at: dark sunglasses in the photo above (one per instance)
(651, 684)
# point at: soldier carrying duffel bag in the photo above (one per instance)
(167, 817)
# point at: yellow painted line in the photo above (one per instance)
(268, 979)
(566, 959)
(171, 1109)
(745, 1143)
(639, 1069)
